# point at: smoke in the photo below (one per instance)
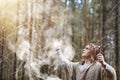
(38, 51)
(53, 78)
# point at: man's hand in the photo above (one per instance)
(100, 58)
(57, 44)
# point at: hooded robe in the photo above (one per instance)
(94, 71)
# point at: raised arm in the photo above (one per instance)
(58, 47)
(109, 70)
(58, 44)
(62, 57)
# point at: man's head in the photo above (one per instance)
(90, 51)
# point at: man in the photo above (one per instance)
(91, 67)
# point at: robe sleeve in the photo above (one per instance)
(110, 72)
(71, 66)
(65, 61)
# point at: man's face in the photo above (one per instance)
(86, 53)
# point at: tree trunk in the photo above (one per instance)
(86, 22)
(73, 5)
(102, 25)
(15, 57)
(117, 39)
(92, 27)
(1, 52)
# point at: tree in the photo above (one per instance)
(1, 51)
(102, 24)
(86, 21)
(117, 38)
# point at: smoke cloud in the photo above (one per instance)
(38, 51)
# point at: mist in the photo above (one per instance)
(35, 45)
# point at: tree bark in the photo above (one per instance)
(117, 39)
(86, 22)
(73, 5)
(15, 57)
(102, 25)
(1, 53)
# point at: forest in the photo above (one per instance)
(27, 29)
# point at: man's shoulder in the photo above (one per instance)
(97, 64)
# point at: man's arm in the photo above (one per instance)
(62, 57)
(109, 70)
